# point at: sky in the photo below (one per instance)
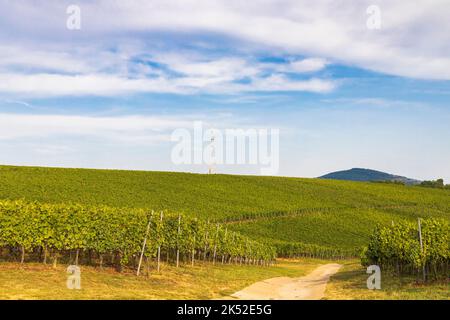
(345, 85)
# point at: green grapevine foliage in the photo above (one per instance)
(118, 233)
(397, 247)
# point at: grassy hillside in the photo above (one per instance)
(282, 210)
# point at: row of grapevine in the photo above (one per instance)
(116, 235)
(298, 250)
(421, 248)
(237, 218)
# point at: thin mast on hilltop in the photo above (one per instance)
(211, 165)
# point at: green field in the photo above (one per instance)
(336, 214)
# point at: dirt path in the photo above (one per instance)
(310, 287)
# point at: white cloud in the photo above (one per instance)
(17, 102)
(61, 58)
(53, 150)
(414, 42)
(16, 57)
(110, 85)
(135, 129)
(200, 66)
(93, 84)
(281, 83)
(308, 65)
(377, 102)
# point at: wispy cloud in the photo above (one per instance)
(302, 65)
(43, 84)
(326, 29)
(134, 129)
(138, 129)
(18, 102)
(375, 102)
(85, 63)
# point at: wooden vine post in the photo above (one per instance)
(206, 240)
(232, 241)
(22, 259)
(215, 244)
(193, 252)
(421, 249)
(45, 254)
(246, 258)
(76, 256)
(178, 241)
(143, 245)
(224, 240)
(159, 246)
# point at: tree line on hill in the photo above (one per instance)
(439, 184)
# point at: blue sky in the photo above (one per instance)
(343, 95)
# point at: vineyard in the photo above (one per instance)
(421, 248)
(298, 217)
(103, 235)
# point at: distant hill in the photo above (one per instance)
(360, 174)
